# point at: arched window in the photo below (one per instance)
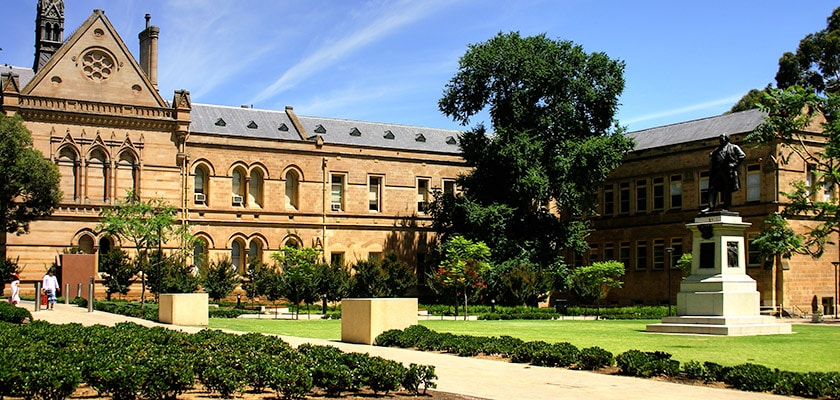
(255, 251)
(68, 167)
(86, 244)
(97, 176)
(200, 185)
(126, 174)
(292, 182)
(237, 255)
(200, 253)
(255, 184)
(238, 188)
(293, 242)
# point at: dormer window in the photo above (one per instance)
(419, 138)
(451, 140)
(252, 125)
(221, 122)
(320, 129)
(389, 135)
(355, 132)
(283, 127)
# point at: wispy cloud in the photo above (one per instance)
(394, 17)
(683, 110)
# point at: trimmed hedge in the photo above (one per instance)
(129, 361)
(750, 377)
(14, 314)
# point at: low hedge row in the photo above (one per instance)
(748, 377)
(129, 361)
(11, 313)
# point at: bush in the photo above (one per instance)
(696, 370)
(11, 313)
(419, 375)
(647, 364)
(556, 355)
(290, 377)
(384, 375)
(811, 384)
(751, 377)
(592, 358)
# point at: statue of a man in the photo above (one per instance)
(723, 173)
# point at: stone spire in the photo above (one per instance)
(49, 31)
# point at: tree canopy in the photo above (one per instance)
(554, 140)
(30, 186)
(816, 62)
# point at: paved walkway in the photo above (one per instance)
(483, 379)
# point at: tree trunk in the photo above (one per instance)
(466, 311)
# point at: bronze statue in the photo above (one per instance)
(723, 173)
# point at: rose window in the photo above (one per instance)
(97, 65)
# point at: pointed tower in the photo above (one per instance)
(49, 31)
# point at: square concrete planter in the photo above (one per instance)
(188, 309)
(362, 320)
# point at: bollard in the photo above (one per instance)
(38, 296)
(66, 293)
(90, 295)
(79, 290)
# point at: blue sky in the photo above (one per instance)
(388, 60)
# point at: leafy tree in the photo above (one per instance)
(297, 280)
(593, 282)
(519, 282)
(169, 274)
(816, 63)
(146, 224)
(750, 101)
(464, 267)
(369, 279)
(333, 282)
(120, 272)
(554, 141)
(400, 276)
(258, 279)
(790, 112)
(219, 278)
(778, 241)
(30, 186)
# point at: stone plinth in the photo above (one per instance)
(719, 298)
(188, 309)
(362, 320)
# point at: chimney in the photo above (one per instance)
(149, 51)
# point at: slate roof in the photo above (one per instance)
(382, 135)
(244, 122)
(696, 130)
(24, 74)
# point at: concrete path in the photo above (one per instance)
(483, 379)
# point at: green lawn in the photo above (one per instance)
(810, 348)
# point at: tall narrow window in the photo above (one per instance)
(68, 167)
(449, 188)
(237, 188)
(754, 259)
(255, 186)
(676, 192)
(200, 185)
(609, 200)
(641, 255)
(658, 254)
(658, 194)
(200, 252)
(676, 251)
(97, 172)
(337, 259)
(609, 252)
(255, 252)
(704, 187)
(292, 183)
(624, 198)
(126, 178)
(753, 182)
(641, 196)
(624, 254)
(375, 193)
(237, 255)
(337, 192)
(423, 195)
(593, 254)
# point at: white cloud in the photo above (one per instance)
(683, 110)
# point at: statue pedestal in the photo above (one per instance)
(719, 298)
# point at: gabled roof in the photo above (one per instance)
(24, 74)
(697, 130)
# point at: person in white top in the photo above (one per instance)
(15, 297)
(50, 288)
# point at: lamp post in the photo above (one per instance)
(835, 264)
(670, 250)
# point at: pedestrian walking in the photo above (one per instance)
(50, 288)
(15, 296)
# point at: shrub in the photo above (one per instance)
(751, 377)
(647, 364)
(419, 375)
(525, 352)
(11, 313)
(556, 355)
(696, 370)
(592, 358)
(290, 377)
(716, 371)
(384, 375)
(810, 384)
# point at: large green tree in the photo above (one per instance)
(554, 140)
(464, 268)
(816, 62)
(29, 188)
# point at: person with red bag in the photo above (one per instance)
(50, 288)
